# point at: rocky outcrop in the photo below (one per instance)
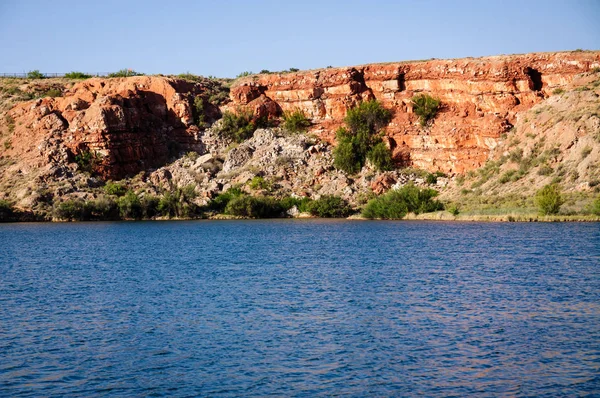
(120, 126)
(480, 99)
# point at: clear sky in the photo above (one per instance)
(224, 38)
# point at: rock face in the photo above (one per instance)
(480, 99)
(121, 125)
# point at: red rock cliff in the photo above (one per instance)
(130, 124)
(480, 98)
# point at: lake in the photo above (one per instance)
(299, 308)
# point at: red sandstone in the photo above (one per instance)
(480, 98)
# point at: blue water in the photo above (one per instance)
(299, 308)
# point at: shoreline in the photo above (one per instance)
(442, 216)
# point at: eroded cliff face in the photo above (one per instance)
(480, 99)
(126, 125)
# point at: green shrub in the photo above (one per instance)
(35, 74)
(125, 73)
(192, 155)
(426, 107)
(178, 203)
(72, 210)
(244, 74)
(259, 182)
(516, 155)
(239, 126)
(150, 206)
(77, 75)
(130, 206)
(219, 97)
(585, 152)
(168, 205)
(115, 188)
(381, 157)
(86, 161)
(199, 113)
(432, 178)
(454, 210)
(548, 199)
(220, 202)
(395, 204)
(596, 207)
(6, 211)
(506, 177)
(361, 139)
(329, 206)
(344, 155)
(103, 209)
(53, 92)
(294, 69)
(189, 76)
(545, 170)
(254, 207)
(7, 144)
(295, 121)
(368, 115)
(300, 203)
(79, 210)
(558, 91)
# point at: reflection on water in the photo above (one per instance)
(290, 307)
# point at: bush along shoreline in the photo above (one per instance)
(118, 203)
(406, 203)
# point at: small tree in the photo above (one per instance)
(362, 139)
(344, 155)
(125, 73)
(548, 199)
(130, 206)
(77, 75)
(426, 107)
(199, 112)
(35, 74)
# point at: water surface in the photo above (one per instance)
(299, 308)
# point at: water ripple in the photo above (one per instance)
(300, 308)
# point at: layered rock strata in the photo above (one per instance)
(480, 99)
(121, 126)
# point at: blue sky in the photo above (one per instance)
(224, 38)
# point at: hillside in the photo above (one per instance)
(506, 126)
(555, 142)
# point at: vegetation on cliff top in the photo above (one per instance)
(77, 75)
(125, 73)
